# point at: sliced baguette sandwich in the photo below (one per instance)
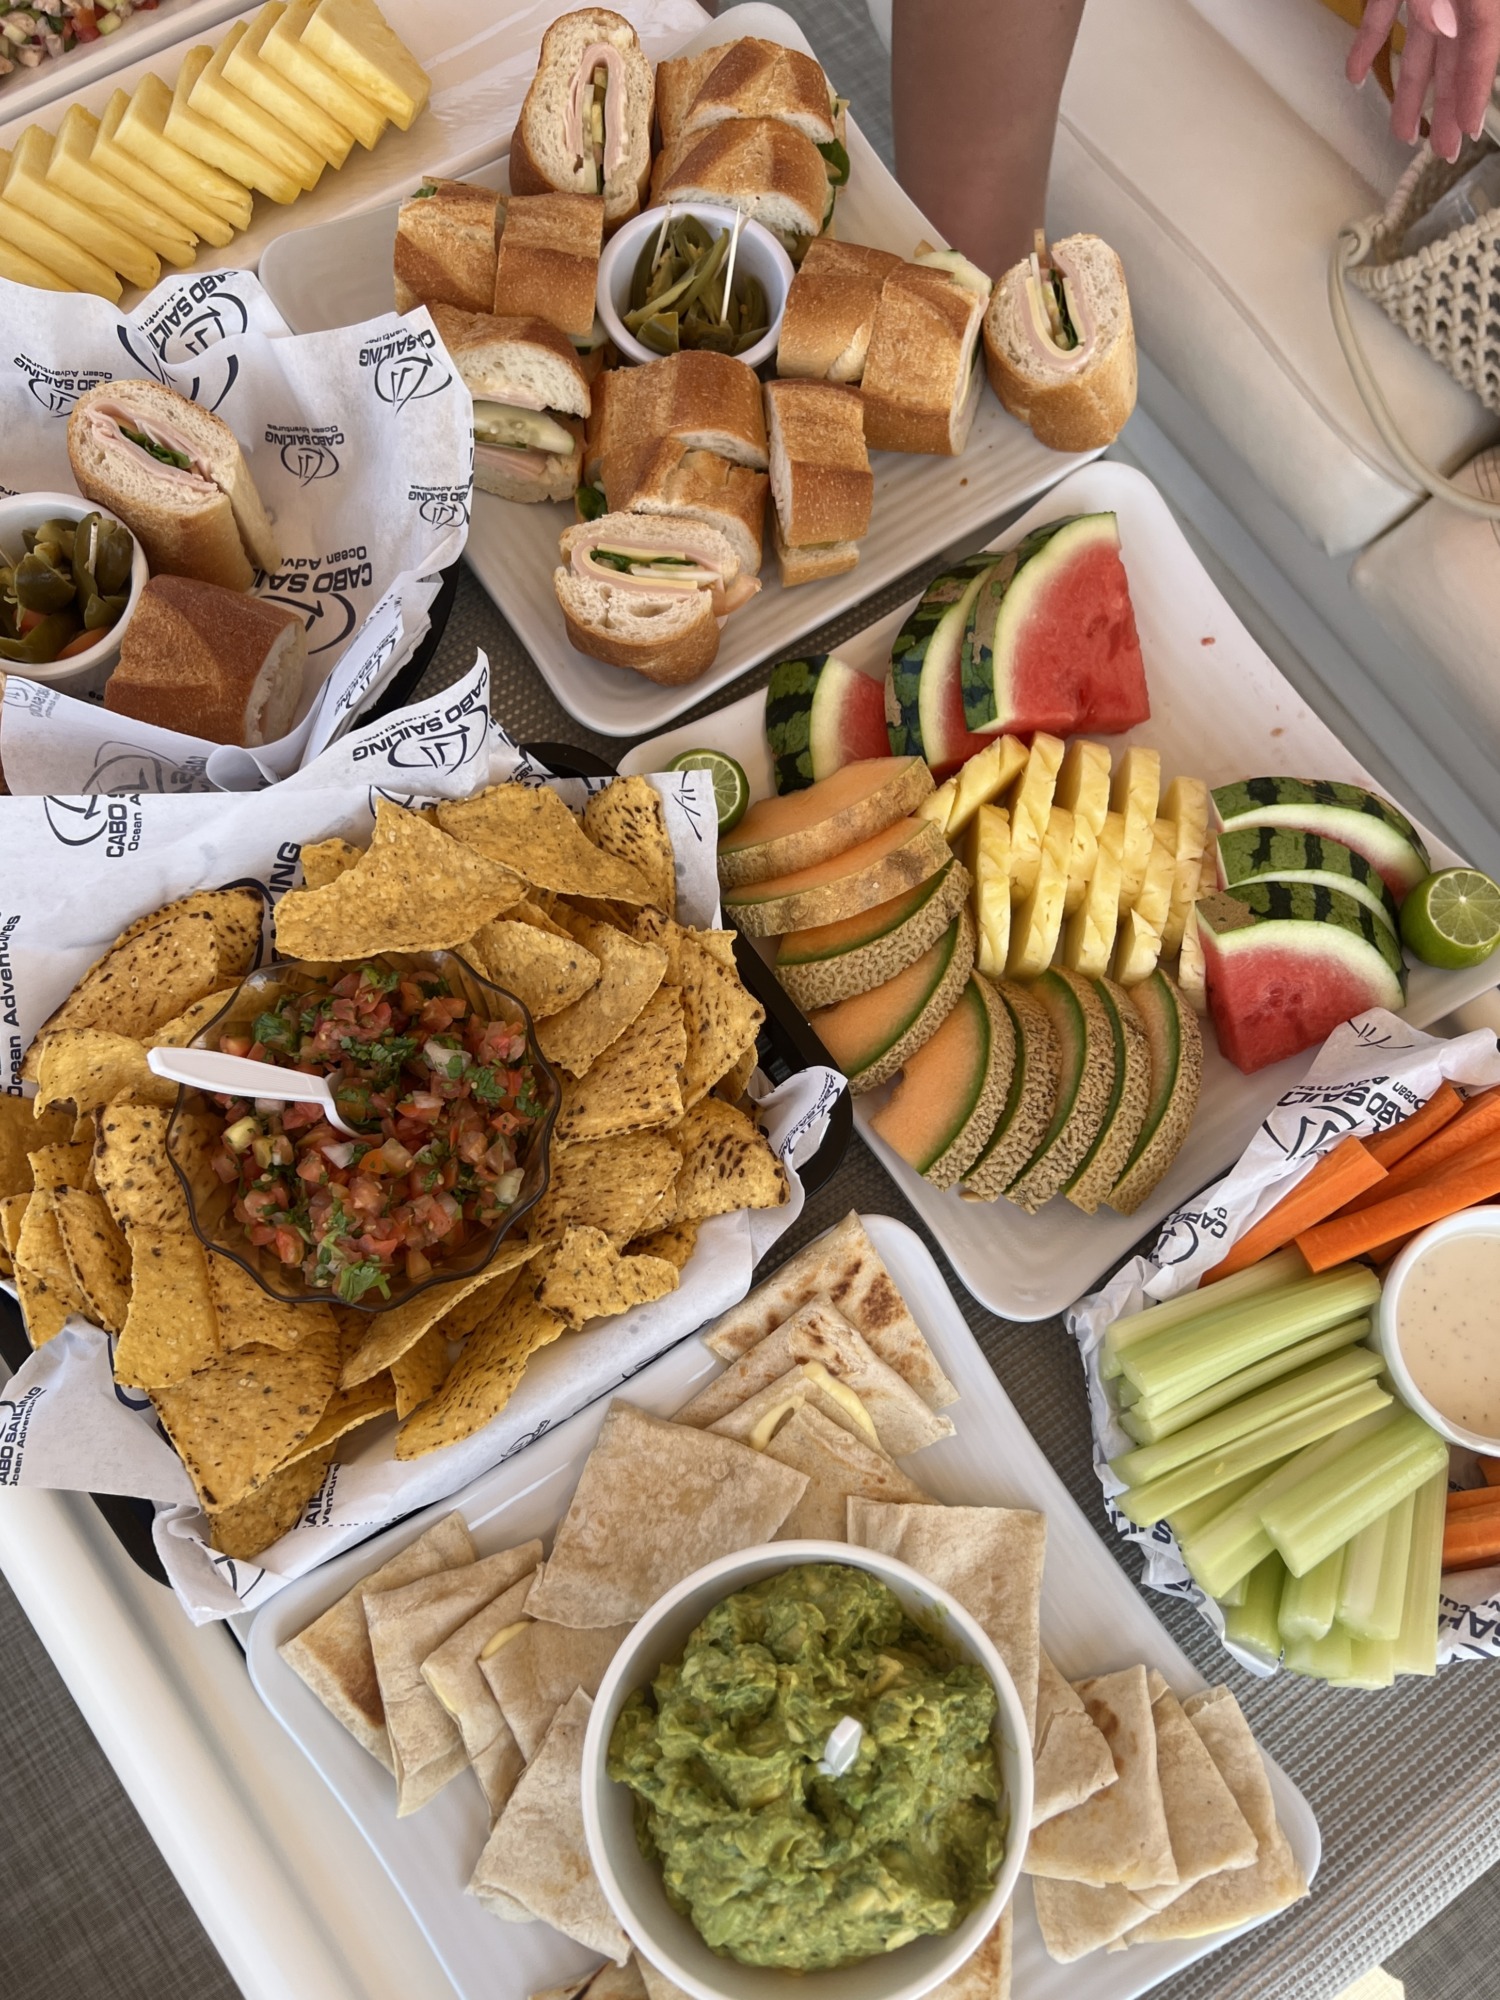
(1059, 344)
(706, 401)
(921, 377)
(821, 481)
(585, 125)
(210, 662)
(175, 475)
(678, 81)
(530, 391)
(672, 479)
(445, 246)
(769, 170)
(648, 593)
(547, 263)
(759, 79)
(830, 310)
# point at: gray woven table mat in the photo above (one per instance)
(1400, 1840)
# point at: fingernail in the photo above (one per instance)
(1444, 20)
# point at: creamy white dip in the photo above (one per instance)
(1448, 1324)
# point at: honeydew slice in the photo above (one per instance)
(249, 74)
(26, 186)
(74, 171)
(211, 142)
(141, 130)
(353, 38)
(218, 100)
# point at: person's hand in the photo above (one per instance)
(1452, 45)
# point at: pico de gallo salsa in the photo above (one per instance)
(447, 1097)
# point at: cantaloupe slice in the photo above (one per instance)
(872, 1034)
(953, 1088)
(1085, 1087)
(1029, 1104)
(831, 962)
(899, 858)
(797, 829)
(1105, 1160)
(1176, 1051)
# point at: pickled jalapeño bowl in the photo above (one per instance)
(210, 1202)
(86, 672)
(759, 255)
(632, 1883)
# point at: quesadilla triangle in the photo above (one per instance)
(1209, 1833)
(1071, 1759)
(839, 1467)
(818, 1335)
(845, 1268)
(1120, 1834)
(454, 1674)
(533, 1674)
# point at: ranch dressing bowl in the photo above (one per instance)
(1438, 1325)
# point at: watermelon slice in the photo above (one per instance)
(1363, 820)
(821, 714)
(1052, 641)
(1287, 963)
(924, 691)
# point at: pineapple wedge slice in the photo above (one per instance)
(1030, 812)
(938, 806)
(1155, 899)
(1192, 974)
(1036, 922)
(1134, 795)
(1083, 782)
(984, 778)
(1186, 802)
(1137, 950)
(1089, 937)
(1081, 862)
(989, 865)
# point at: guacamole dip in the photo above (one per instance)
(773, 1861)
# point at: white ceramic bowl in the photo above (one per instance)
(632, 1884)
(85, 673)
(759, 253)
(1468, 1222)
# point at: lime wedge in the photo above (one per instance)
(1452, 919)
(731, 786)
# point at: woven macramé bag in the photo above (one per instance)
(1446, 296)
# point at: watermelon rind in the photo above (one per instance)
(924, 657)
(821, 714)
(1030, 1101)
(1357, 818)
(957, 964)
(1303, 902)
(1287, 854)
(985, 613)
(1086, 1083)
(855, 968)
(1105, 1159)
(1176, 1047)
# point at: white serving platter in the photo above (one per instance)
(1220, 710)
(1093, 1620)
(25, 91)
(331, 275)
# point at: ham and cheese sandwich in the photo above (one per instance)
(648, 592)
(921, 376)
(668, 477)
(820, 478)
(530, 393)
(830, 310)
(585, 126)
(1059, 344)
(705, 401)
(445, 246)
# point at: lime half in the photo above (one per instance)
(731, 786)
(1452, 919)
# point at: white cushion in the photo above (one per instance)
(880, 14)
(1223, 204)
(1434, 583)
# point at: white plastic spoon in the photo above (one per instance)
(238, 1076)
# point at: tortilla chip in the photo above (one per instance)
(183, 1027)
(675, 1244)
(532, 831)
(843, 1266)
(133, 1172)
(24, 1127)
(817, 1338)
(238, 919)
(97, 1255)
(12, 1215)
(408, 1623)
(1120, 1834)
(453, 1672)
(838, 1467)
(536, 909)
(90, 1067)
(721, 1018)
(1071, 1759)
(989, 1558)
(629, 973)
(635, 1085)
(170, 1331)
(1209, 1833)
(394, 1331)
(545, 972)
(619, 1547)
(249, 1527)
(589, 1279)
(735, 1081)
(247, 1316)
(483, 1379)
(332, 1654)
(345, 1411)
(66, 1164)
(323, 861)
(44, 1279)
(628, 820)
(415, 890)
(532, 1675)
(235, 1421)
(537, 1855)
(421, 1371)
(726, 1164)
(141, 982)
(609, 1184)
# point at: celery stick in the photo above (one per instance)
(1267, 1276)
(1374, 1586)
(1327, 1659)
(1372, 1664)
(1126, 1393)
(1251, 1624)
(1147, 1504)
(1309, 1520)
(1416, 1646)
(1183, 1360)
(1251, 1413)
(1234, 1597)
(1150, 1419)
(1232, 1542)
(1192, 1519)
(1308, 1603)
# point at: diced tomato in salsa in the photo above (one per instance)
(443, 1099)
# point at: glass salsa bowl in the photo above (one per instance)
(196, 1123)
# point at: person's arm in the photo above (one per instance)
(975, 87)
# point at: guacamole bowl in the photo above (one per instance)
(632, 1880)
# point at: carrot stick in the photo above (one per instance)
(1356, 1235)
(1474, 1499)
(1327, 1187)
(1389, 1252)
(1471, 1544)
(1490, 1467)
(1394, 1144)
(1476, 1126)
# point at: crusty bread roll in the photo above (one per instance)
(758, 79)
(769, 170)
(202, 518)
(547, 266)
(706, 401)
(812, 565)
(1078, 398)
(445, 247)
(669, 639)
(678, 81)
(920, 384)
(821, 480)
(527, 362)
(830, 310)
(668, 477)
(550, 147)
(209, 662)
